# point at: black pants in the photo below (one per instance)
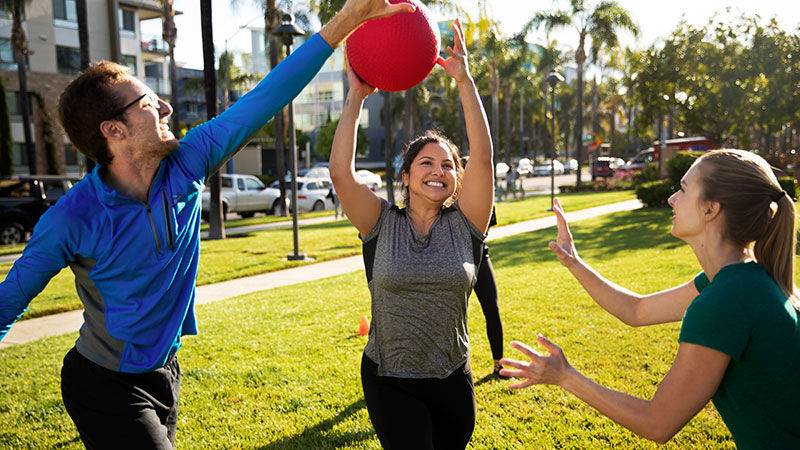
(121, 410)
(424, 413)
(486, 291)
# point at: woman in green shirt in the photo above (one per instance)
(740, 336)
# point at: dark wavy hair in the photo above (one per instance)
(415, 146)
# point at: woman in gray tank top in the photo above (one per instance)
(421, 263)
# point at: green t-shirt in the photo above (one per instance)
(744, 314)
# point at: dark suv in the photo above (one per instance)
(23, 199)
(602, 167)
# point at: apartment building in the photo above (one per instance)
(52, 30)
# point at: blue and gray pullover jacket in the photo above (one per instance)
(135, 264)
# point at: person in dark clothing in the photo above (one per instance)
(486, 290)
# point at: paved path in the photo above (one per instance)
(30, 330)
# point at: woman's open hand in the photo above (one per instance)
(542, 369)
(563, 246)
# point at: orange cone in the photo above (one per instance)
(363, 326)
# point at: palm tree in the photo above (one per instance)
(216, 225)
(600, 23)
(19, 42)
(169, 32)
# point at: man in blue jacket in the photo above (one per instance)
(130, 231)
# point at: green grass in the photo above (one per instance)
(279, 369)
(268, 218)
(263, 251)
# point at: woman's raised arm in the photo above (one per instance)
(358, 202)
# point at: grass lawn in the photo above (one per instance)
(279, 369)
(258, 252)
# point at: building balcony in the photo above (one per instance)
(159, 85)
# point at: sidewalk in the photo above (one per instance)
(30, 330)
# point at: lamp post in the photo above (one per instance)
(286, 31)
(552, 79)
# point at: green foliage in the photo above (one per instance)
(678, 165)
(649, 173)
(325, 140)
(655, 193)
(599, 185)
(6, 144)
(789, 185)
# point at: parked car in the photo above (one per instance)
(312, 194)
(373, 181)
(603, 167)
(543, 169)
(23, 199)
(525, 167)
(244, 195)
(500, 170)
(571, 166)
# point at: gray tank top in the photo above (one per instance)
(420, 285)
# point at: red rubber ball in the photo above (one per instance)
(395, 53)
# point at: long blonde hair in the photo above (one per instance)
(757, 210)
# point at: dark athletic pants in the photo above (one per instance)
(121, 410)
(486, 291)
(424, 413)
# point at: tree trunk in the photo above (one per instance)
(507, 125)
(272, 18)
(580, 57)
(19, 42)
(6, 146)
(215, 220)
(595, 107)
(388, 148)
(83, 32)
(408, 116)
(170, 34)
(494, 84)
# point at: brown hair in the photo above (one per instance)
(416, 145)
(88, 101)
(756, 210)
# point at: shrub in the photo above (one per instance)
(678, 165)
(601, 184)
(655, 193)
(649, 173)
(789, 185)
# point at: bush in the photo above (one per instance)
(678, 165)
(789, 185)
(648, 174)
(655, 193)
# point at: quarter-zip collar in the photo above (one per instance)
(113, 197)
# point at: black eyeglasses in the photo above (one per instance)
(151, 98)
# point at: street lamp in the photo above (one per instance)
(286, 31)
(552, 79)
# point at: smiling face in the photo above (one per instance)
(688, 206)
(432, 175)
(146, 121)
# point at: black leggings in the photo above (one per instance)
(420, 413)
(486, 291)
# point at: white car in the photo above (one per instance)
(571, 166)
(312, 194)
(525, 167)
(244, 195)
(500, 170)
(373, 181)
(543, 169)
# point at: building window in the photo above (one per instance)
(71, 155)
(65, 10)
(191, 109)
(14, 105)
(127, 21)
(18, 155)
(7, 55)
(129, 61)
(68, 60)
